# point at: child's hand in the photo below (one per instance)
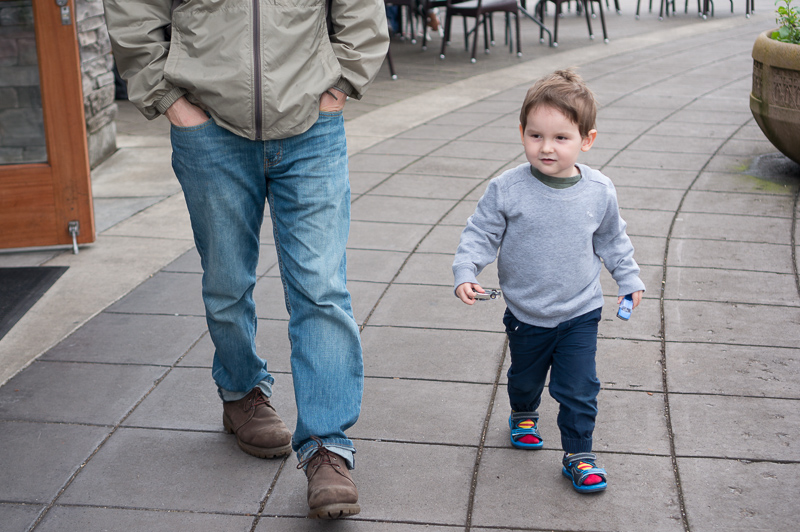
(466, 292)
(636, 296)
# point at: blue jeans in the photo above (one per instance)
(568, 351)
(226, 180)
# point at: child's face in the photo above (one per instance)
(553, 142)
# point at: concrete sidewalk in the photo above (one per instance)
(116, 424)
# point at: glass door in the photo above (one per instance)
(45, 189)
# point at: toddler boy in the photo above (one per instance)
(553, 221)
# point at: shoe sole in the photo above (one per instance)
(334, 511)
(258, 452)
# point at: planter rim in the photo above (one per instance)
(776, 53)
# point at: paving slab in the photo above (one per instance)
(406, 146)
(627, 422)
(19, 516)
(386, 236)
(442, 239)
(650, 275)
(454, 411)
(644, 196)
(646, 177)
(361, 182)
(712, 284)
(695, 129)
(437, 269)
(431, 484)
(744, 228)
(738, 203)
(645, 323)
(636, 482)
(374, 265)
(647, 222)
(751, 428)
(482, 150)
(76, 393)
(659, 160)
(173, 470)
(456, 167)
(739, 495)
(425, 186)
(90, 519)
(165, 293)
(439, 310)
(496, 134)
(648, 252)
(130, 339)
(39, 458)
(136, 172)
(730, 255)
(732, 182)
(399, 210)
(671, 143)
(629, 364)
(436, 132)
(365, 162)
(731, 323)
(410, 353)
(753, 371)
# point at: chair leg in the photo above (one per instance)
(588, 19)
(485, 35)
(391, 63)
(475, 38)
(519, 39)
(603, 22)
(447, 22)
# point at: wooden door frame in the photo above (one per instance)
(67, 166)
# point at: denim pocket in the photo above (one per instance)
(188, 129)
(330, 114)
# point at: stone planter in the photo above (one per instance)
(775, 99)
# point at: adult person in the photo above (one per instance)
(254, 90)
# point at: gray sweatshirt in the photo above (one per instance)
(551, 242)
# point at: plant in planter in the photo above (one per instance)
(775, 98)
(789, 20)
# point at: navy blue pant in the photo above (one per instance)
(568, 351)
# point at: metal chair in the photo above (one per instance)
(585, 4)
(481, 11)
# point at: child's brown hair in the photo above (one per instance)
(566, 91)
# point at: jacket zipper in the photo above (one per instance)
(257, 64)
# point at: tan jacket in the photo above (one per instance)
(257, 66)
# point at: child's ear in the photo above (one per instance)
(521, 134)
(588, 140)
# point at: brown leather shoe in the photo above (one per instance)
(332, 494)
(257, 427)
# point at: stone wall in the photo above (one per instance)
(98, 79)
(21, 120)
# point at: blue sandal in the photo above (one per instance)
(525, 424)
(578, 466)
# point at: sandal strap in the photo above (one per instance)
(580, 475)
(518, 432)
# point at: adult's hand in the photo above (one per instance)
(332, 101)
(182, 113)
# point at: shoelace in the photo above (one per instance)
(321, 452)
(257, 398)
